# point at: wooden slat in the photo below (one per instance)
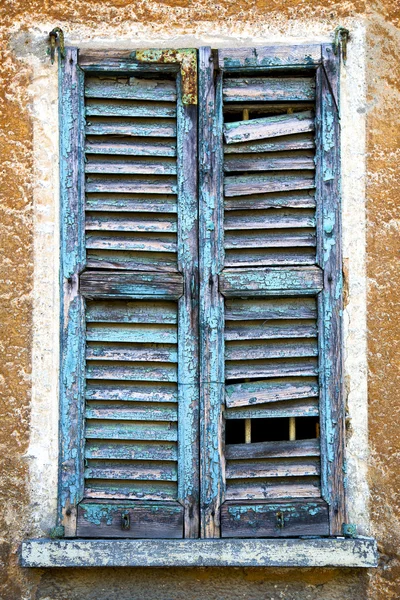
(271, 308)
(136, 127)
(131, 352)
(139, 471)
(134, 430)
(131, 185)
(128, 108)
(132, 88)
(272, 161)
(131, 165)
(254, 469)
(119, 61)
(132, 371)
(267, 257)
(127, 450)
(282, 449)
(268, 89)
(263, 369)
(104, 519)
(299, 199)
(132, 332)
(256, 330)
(271, 281)
(256, 240)
(261, 392)
(130, 411)
(135, 392)
(131, 490)
(262, 489)
(129, 261)
(299, 517)
(131, 203)
(131, 285)
(269, 219)
(299, 141)
(268, 127)
(269, 56)
(122, 311)
(140, 243)
(276, 410)
(256, 350)
(126, 146)
(244, 185)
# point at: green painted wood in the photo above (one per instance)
(132, 88)
(269, 257)
(131, 352)
(135, 430)
(134, 470)
(268, 127)
(268, 89)
(259, 330)
(125, 146)
(188, 315)
(276, 410)
(120, 62)
(135, 392)
(211, 302)
(130, 490)
(130, 411)
(136, 127)
(131, 222)
(297, 199)
(245, 185)
(271, 161)
(269, 219)
(257, 350)
(288, 281)
(70, 488)
(141, 243)
(270, 308)
(258, 240)
(271, 368)
(267, 57)
(260, 520)
(128, 108)
(131, 371)
(131, 203)
(132, 332)
(130, 166)
(299, 141)
(330, 300)
(260, 392)
(131, 450)
(124, 311)
(131, 185)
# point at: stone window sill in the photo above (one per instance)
(323, 552)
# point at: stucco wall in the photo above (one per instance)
(28, 335)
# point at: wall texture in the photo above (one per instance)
(96, 19)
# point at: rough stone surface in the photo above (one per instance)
(138, 21)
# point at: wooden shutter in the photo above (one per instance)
(129, 467)
(270, 293)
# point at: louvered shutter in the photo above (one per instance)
(130, 299)
(270, 293)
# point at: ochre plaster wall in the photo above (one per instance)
(16, 283)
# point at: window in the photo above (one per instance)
(201, 271)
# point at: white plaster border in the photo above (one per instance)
(43, 450)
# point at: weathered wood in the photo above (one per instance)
(132, 352)
(131, 411)
(124, 311)
(268, 489)
(300, 141)
(257, 240)
(128, 450)
(270, 281)
(140, 261)
(130, 146)
(283, 449)
(244, 185)
(131, 165)
(266, 369)
(260, 330)
(254, 469)
(131, 285)
(134, 470)
(141, 243)
(268, 127)
(299, 199)
(130, 490)
(120, 61)
(331, 552)
(128, 108)
(131, 203)
(270, 257)
(276, 410)
(271, 161)
(135, 430)
(131, 371)
(269, 57)
(261, 520)
(330, 300)
(104, 519)
(188, 314)
(211, 302)
(260, 392)
(134, 127)
(132, 88)
(256, 350)
(132, 332)
(271, 308)
(131, 184)
(268, 89)
(135, 392)
(269, 219)
(71, 107)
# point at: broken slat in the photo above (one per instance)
(131, 352)
(243, 185)
(135, 127)
(272, 161)
(300, 141)
(132, 392)
(276, 410)
(132, 88)
(267, 127)
(131, 411)
(128, 450)
(268, 89)
(261, 392)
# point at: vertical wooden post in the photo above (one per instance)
(292, 429)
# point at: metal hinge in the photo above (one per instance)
(186, 58)
(57, 532)
(340, 41)
(349, 530)
(54, 35)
